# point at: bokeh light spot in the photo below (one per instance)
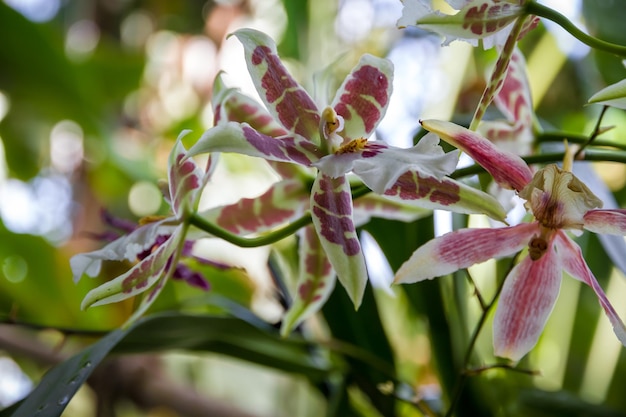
(144, 198)
(14, 268)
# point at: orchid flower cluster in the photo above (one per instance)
(335, 177)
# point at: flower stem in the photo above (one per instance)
(499, 73)
(532, 7)
(596, 131)
(251, 242)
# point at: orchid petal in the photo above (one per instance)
(375, 205)
(127, 247)
(283, 96)
(558, 199)
(507, 169)
(478, 19)
(139, 278)
(380, 165)
(527, 299)
(363, 97)
(331, 210)
(241, 138)
(462, 249)
(575, 265)
(283, 202)
(614, 95)
(229, 105)
(608, 222)
(447, 194)
(315, 284)
(186, 180)
(514, 99)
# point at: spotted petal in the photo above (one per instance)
(331, 209)
(243, 139)
(608, 222)
(283, 96)
(575, 265)
(527, 299)
(186, 180)
(478, 19)
(127, 247)
(420, 190)
(139, 278)
(364, 95)
(463, 248)
(507, 169)
(316, 281)
(229, 105)
(283, 202)
(375, 205)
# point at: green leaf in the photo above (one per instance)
(245, 338)
(614, 95)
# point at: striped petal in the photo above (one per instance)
(364, 95)
(243, 139)
(527, 299)
(139, 278)
(575, 265)
(463, 248)
(420, 190)
(283, 96)
(608, 222)
(331, 209)
(507, 169)
(283, 202)
(316, 281)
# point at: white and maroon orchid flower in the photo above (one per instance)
(334, 141)
(559, 202)
(154, 248)
(489, 20)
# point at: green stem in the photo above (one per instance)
(537, 9)
(499, 73)
(547, 137)
(250, 242)
(594, 134)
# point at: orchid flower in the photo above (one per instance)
(154, 248)
(489, 20)
(559, 202)
(334, 141)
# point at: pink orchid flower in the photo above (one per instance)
(333, 140)
(559, 202)
(154, 248)
(489, 20)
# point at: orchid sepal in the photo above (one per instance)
(242, 138)
(461, 249)
(286, 100)
(315, 283)
(363, 97)
(331, 211)
(606, 221)
(414, 188)
(506, 168)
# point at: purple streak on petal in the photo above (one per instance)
(334, 209)
(575, 265)
(117, 222)
(527, 299)
(366, 82)
(606, 221)
(283, 149)
(148, 267)
(295, 109)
